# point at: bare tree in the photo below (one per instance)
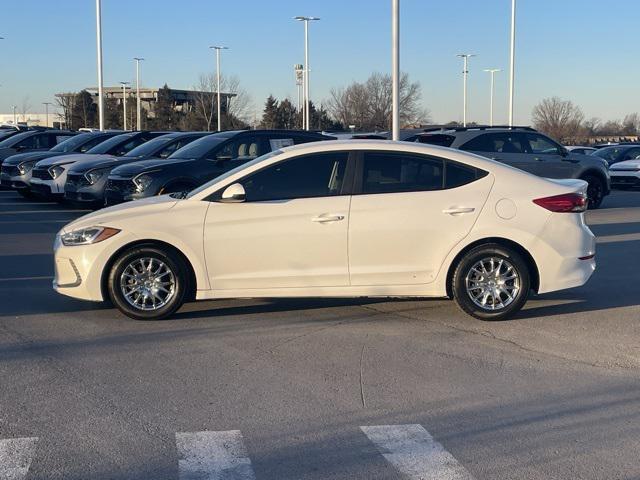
(205, 98)
(206, 106)
(631, 124)
(368, 105)
(66, 102)
(25, 106)
(558, 118)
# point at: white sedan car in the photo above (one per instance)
(338, 219)
(625, 174)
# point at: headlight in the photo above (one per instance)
(87, 236)
(93, 176)
(25, 167)
(56, 171)
(142, 182)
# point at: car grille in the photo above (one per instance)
(41, 173)
(77, 180)
(10, 170)
(121, 186)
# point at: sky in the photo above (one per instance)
(581, 50)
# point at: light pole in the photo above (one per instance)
(124, 103)
(492, 71)
(99, 47)
(299, 71)
(395, 69)
(217, 49)
(306, 21)
(138, 104)
(15, 118)
(513, 60)
(465, 72)
(46, 109)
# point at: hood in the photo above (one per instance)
(63, 159)
(626, 165)
(111, 216)
(93, 162)
(18, 158)
(6, 152)
(136, 168)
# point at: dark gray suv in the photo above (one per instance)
(526, 149)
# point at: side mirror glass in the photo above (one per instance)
(233, 194)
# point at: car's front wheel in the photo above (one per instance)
(148, 283)
(491, 282)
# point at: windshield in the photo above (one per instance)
(11, 141)
(113, 142)
(151, 147)
(199, 148)
(233, 172)
(610, 154)
(72, 143)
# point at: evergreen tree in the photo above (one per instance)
(112, 113)
(287, 115)
(84, 111)
(166, 116)
(270, 114)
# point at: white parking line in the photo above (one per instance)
(624, 237)
(213, 456)
(15, 457)
(415, 453)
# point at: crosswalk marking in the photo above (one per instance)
(15, 457)
(213, 456)
(413, 451)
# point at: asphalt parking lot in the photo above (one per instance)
(291, 389)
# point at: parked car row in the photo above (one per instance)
(98, 168)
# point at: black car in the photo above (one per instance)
(87, 179)
(198, 162)
(32, 140)
(16, 170)
(618, 153)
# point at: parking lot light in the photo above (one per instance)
(492, 71)
(124, 104)
(46, 107)
(395, 69)
(512, 61)
(138, 103)
(306, 21)
(217, 49)
(99, 57)
(465, 72)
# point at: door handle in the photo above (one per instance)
(327, 218)
(459, 210)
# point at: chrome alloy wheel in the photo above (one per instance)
(147, 283)
(492, 283)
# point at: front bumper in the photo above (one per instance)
(78, 269)
(625, 178)
(87, 194)
(120, 190)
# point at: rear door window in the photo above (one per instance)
(393, 172)
(501, 142)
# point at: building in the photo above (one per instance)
(183, 100)
(32, 119)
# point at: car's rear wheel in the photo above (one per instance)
(148, 283)
(491, 282)
(595, 190)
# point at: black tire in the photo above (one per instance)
(595, 190)
(26, 193)
(465, 275)
(175, 265)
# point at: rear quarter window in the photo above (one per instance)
(457, 175)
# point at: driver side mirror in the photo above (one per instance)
(564, 152)
(233, 194)
(20, 148)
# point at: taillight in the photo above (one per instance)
(567, 202)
